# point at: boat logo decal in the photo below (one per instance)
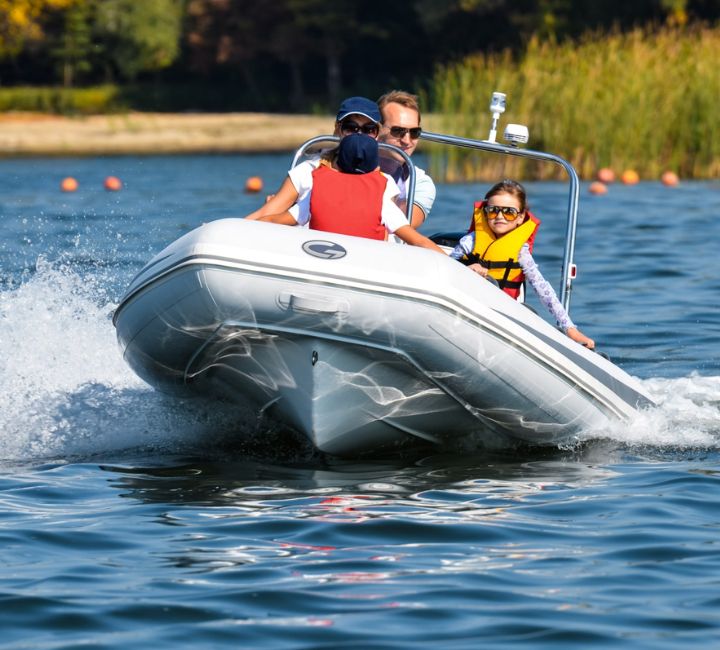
(325, 250)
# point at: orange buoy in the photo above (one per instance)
(630, 177)
(112, 184)
(596, 187)
(606, 175)
(68, 184)
(253, 184)
(670, 179)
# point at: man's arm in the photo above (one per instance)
(424, 198)
(286, 196)
(417, 217)
(284, 218)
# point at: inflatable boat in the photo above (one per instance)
(363, 345)
(359, 344)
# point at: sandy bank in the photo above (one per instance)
(31, 134)
(141, 133)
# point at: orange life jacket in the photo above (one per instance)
(500, 254)
(348, 204)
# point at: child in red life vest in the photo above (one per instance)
(351, 196)
(500, 247)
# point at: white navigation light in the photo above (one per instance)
(497, 106)
(497, 103)
(516, 134)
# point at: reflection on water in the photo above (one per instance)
(404, 481)
(334, 522)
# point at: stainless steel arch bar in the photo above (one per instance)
(571, 227)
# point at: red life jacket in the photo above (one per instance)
(348, 204)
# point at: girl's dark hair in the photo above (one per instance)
(508, 186)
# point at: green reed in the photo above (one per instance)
(644, 100)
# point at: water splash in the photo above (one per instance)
(64, 387)
(687, 416)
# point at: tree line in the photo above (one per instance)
(292, 55)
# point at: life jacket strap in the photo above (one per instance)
(474, 258)
(504, 282)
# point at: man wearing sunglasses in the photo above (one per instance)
(401, 128)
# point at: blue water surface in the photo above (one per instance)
(128, 518)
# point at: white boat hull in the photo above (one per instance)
(359, 344)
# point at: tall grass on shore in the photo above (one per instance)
(643, 100)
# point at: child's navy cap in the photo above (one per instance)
(357, 154)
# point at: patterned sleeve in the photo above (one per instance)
(464, 246)
(543, 289)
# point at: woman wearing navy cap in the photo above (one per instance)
(351, 196)
(355, 115)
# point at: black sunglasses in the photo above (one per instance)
(354, 127)
(400, 131)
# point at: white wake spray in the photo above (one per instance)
(687, 415)
(64, 387)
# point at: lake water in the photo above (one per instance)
(127, 518)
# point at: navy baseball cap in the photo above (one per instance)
(359, 106)
(357, 154)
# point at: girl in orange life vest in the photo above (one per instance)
(500, 247)
(351, 196)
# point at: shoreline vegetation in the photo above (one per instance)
(643, 100)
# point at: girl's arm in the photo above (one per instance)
(464, 246)
(549, 298)
(576, 335)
